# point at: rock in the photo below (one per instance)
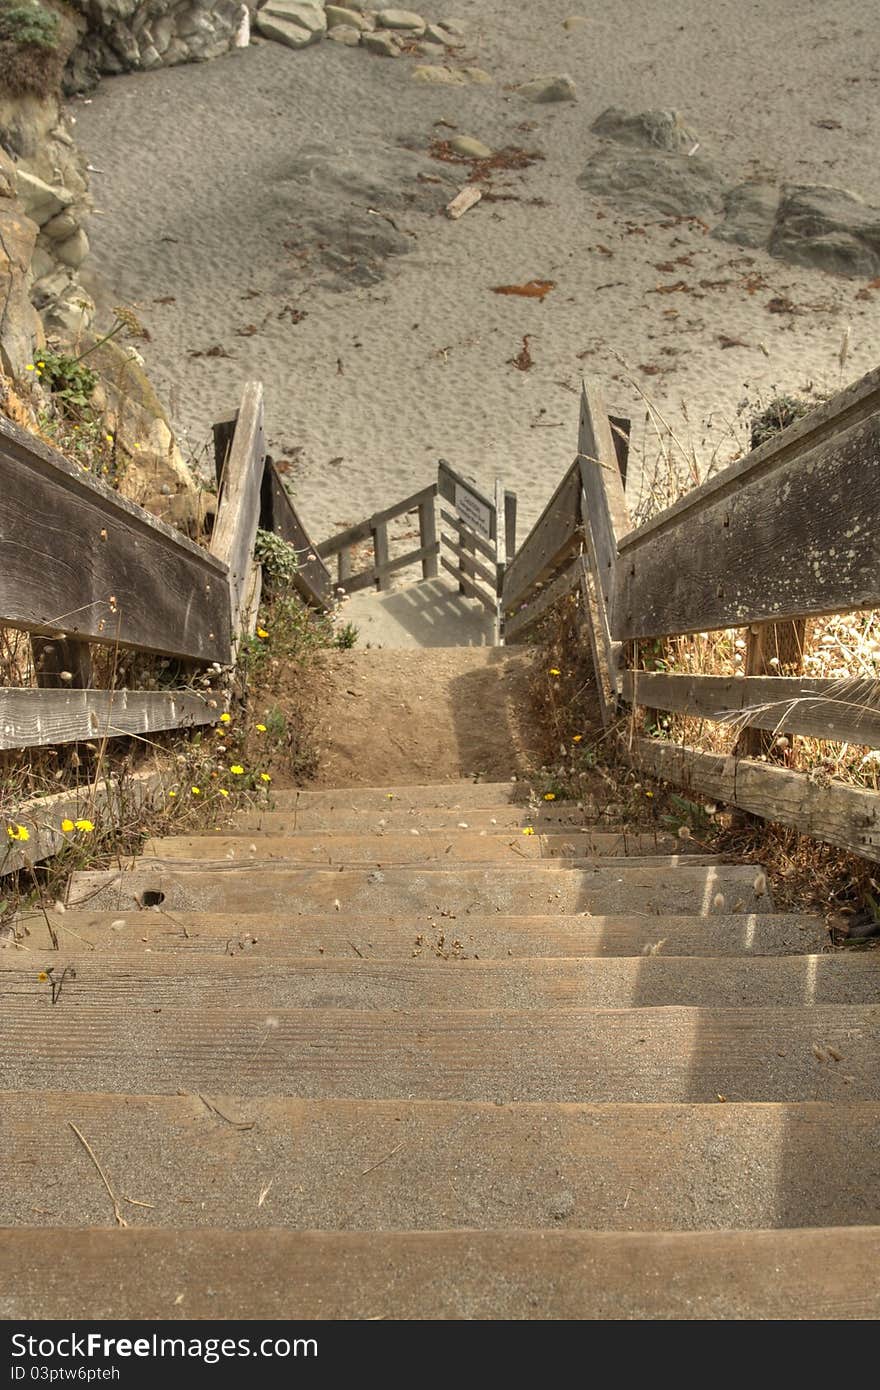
(40, 202)
(338, 14)
(296, 23)
(829, 228)
(557, 88)
(478, 76)
(69, 316)
(574, 21)
(434, 34)
(453, 26)
(383, 42)
(749, 214)
(342, 33)
(20, 331)
(42, 262)
(74, 250)
(402, 19)
(448, 77)
(651, 181)
(469, 147)
(61, 227)
(659, 130)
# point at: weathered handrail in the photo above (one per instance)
(791, 530)
(375, 529)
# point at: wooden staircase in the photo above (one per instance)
(382, 1054)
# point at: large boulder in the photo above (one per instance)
(828, 228)
(126, 35)
(642, 182)
(296, 23)
(749, 214)
(655, 130)
(558, 87)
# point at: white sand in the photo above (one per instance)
(200, 154)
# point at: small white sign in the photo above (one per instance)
(473, 512)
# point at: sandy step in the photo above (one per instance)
(445, 795)
(544, 888)
(829, 1052)
(148, 1274)
(424, 984)
(422, 936)
(438, 849)
(364, 1165)
(391, 819)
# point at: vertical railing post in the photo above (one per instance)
(381, 555)
(428, 537)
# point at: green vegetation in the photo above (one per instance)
(30, 61)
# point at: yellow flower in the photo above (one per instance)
(260, 728)
(196, 791)
(237, 769)
(649, 793)
(30, 367)
(172, 793)
(554, 671)
(576, 738)
(549, 796)
(18, 832)
(226, 719)
(42, 977)
(389, 796)
(261, 632)
(529, 830)
(264, 777)
(85, 826)
(109, 438)
(67, 826)
(223, 791)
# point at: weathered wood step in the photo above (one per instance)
(423, 935)
(826, 1274)
(363, 1165)
(543, 888)
(392, 819)
(253, 981)
(829, 1052)
(439, 849)
(445, 795)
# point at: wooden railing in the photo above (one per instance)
(789, 532)
(375, 531)
(80, 566)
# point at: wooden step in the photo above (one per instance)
(826, 1274)
(391, 819)
(422, 936)
(364, 1165)
(440, 795)
(437, 849)
(829, 1052)
(426, 983)
(545, 888)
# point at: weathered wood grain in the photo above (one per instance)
(848, 817)
(428, 537)
(468, 586)
(844, 711)
(553, 539)
(36, 718)
(78, 560)
(796, 539)
(368, 577)
(469, 561)
(238, 504)
(447, 478)
(520, 623)
(312, 580)
(484, 547)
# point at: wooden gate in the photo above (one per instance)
(481, 533)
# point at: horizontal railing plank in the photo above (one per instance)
(848, 817)
(847, 711)
(469, 586)
(552, 540)
(363, 531)
(369, 577)
(78, 559)
(472, 565)
(798, 540)
(483, 546)
(520, 623)
(31, 718)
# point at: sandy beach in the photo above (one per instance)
(223, 192)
